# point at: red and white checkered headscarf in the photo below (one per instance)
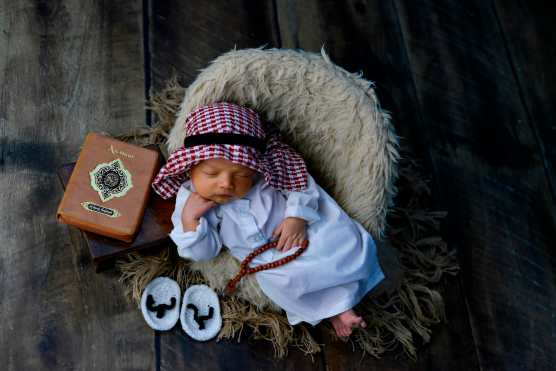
(235, 133)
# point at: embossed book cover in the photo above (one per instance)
(109, 187)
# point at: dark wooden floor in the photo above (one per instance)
(469, 84)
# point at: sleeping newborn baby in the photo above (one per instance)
(239, 186)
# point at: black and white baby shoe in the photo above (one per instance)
(200, 313)
(200, 310)
(160, 303)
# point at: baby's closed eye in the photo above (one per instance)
(240, 175)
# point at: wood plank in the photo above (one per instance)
(530, 38)
(489, 175)
(64, 67)
(179, 352)
(186, 36)
(366, 37)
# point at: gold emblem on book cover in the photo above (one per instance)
(111, 180)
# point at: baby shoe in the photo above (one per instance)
(200, 313)
(160, 303)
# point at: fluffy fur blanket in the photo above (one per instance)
(329, 115)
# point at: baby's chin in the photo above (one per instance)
(221, 200)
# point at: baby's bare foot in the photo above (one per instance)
(344, 322)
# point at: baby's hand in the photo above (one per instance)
(195, 207)
(291, 232)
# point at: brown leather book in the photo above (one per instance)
(109, 187)
(153, 232)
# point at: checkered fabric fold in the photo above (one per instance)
(281, 166)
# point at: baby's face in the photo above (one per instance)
(221, 180)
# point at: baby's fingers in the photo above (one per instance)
(289, 244)
(277, 231)
(281, 242)
(285, 243)
(293, 242)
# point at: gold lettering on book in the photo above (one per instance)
(120, 152)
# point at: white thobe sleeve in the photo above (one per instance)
(304, 204)
(203, 243)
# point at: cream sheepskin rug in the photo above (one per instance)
(329, 115)
(333, 118)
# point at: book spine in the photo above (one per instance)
(70, 184)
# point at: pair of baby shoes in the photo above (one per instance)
(199, 314)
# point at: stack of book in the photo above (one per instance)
(108, 196)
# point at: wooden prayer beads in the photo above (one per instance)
(245, 269)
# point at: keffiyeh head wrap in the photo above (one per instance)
(235, 133)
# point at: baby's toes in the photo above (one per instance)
(356, 322)
(341, 332)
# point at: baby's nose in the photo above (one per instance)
(226, 182)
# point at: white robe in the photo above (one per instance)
(338, 268)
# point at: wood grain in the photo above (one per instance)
(186, 36)
(178, 351)
(531, 43)
(365, 36)
(65, 65)
(469, 85)
(489, 174)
